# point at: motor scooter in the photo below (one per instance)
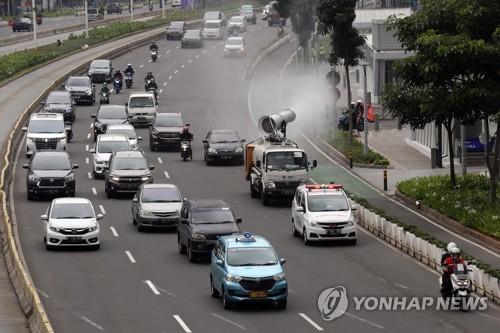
(128, 81)
(154, 56)
(460, 289)
(103, 98)
(186, 150)
(117, 85)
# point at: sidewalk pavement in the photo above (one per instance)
(14, 99)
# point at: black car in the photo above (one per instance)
(176, 30)
(107, 115)
(192, 38)
(165, 132)
(50, 172)
(81, 88)
(128, 170)
(114, 8)
(223, 146)
(100, 71)
(60, 102)
(202, 223)
(22, 24)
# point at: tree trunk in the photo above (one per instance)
(494, 171)
(349, 97)
(451, 155)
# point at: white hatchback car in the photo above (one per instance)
(323, 213)
(105, 145)
(235, 47)
(127, 130)
(71, 222)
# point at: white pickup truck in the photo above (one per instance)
(141, 108)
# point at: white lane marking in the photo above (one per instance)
(310, 321)
(400, 286)
(166, 174)
(150, 61)
(197, 56)
(91, 323)
(259, 27)
(176, 71)
(165, 83)
(112, 89)
(488, 316)
(190, 61)
(152, 287)
(86, 147)
(141, 66)
(159, 56)
(182, 323)
(364, 321)
(160, 160)
(130, 257)
(291, 291)
(205, 51)
(213, 46)
(94, 191)
(101, 207)
(89, 175)
(41, 292)
(166, 292)
(91, 125)
(228, 321)
(170, 77)
(251, 30)
(87, 160)
(221, 43)
(168, 51)
(88, 136)
(113, 231)
(177, 47)
(182, 66)
(161, 90)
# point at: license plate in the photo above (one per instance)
(74, 239)
(333, 232)
(141, 118)
(258, 294)
(289, 192)
(225, 157)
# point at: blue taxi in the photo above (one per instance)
(245, 268)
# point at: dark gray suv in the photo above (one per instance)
(81, 88)
(128, 170)
(60, 102)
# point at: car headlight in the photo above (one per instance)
(270, 185)
(233, 278)
(279, 277)
(239, 150)
(144, 212)
(70, 177)
(199, 236)
(88, 92)
(313, 223)
(155, 131)
(63, 140)
(94, 228)
(463, 283)
(145, 178)
(29, 141)
(212, 151)
(33, 178)
(350, 223)
(54, 229)
(115, 178)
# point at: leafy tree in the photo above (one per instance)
(336, 18)
(454, 73)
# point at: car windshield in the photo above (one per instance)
(129, 163)
(237, 19)
(50, 162)
(223, 137)
(211, 16)
(111, 146)
(212, 25)
(286, 160)
(58, 99)
(161, 195)
(73, 210)
(176, 26)
(327, 203)
(112, 113)
(102, 64)
(92, 11)
(192, 34)
(141, 102)
(168, 121)
(251, 256)
(78, 81)
(46, 126)
(234, 42)
(212, 216)
(128, 132)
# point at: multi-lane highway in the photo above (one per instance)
(138, 282)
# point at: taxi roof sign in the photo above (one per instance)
(331, 186)
(247, 237)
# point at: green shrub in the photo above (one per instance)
(468, 203)
(341, 143)
(381, 162)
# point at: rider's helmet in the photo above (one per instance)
(450, 246)
(129, 66)
(117, 71)
(455, 253)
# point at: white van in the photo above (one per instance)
(142, 108)
(45, 131)
(213, 29)
(176, 3)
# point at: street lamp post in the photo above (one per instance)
(85, 2)
(34, 18)
(131, 10)
(365, 107)
(162, 8)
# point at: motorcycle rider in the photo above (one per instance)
(104, 89)
(152, 82)
(153, 47)
(119, 76)
(129, 70)
(280, 30)
(187, 136)
(449, 268)
(447, 254)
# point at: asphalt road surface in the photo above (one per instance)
(159, 290)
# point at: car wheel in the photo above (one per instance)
(72, 194)
(96, 247)
(48, 247)
(140, 228)
(282, 305)
(31, 196)
(191, 255)
(214, 292)
(182, 248)
(109, 194)
(253, 192)
(225, 302)
(295, 233)
(305, 238)
(353, 242)
(265, 199)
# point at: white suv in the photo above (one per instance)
(105, 145)
(71, 222)
(323, 213)
(46, 131)
(142, 108)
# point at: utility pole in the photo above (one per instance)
(86, 18)
(162, 8)
(34, 18)
(365, 108)
(131, 10)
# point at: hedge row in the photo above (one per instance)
(341, 142)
